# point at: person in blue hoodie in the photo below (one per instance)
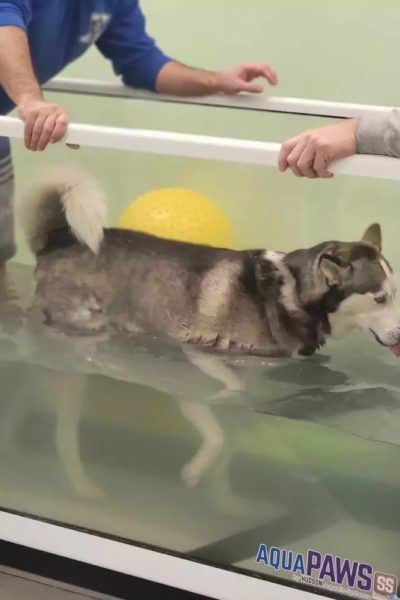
(38, 38)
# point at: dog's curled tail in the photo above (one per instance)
(65, 197)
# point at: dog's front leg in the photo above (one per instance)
(212, 441)
(214, 367)
(202, 417)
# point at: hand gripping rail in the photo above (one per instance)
(205, 147)
(250, 102)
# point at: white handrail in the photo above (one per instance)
(200, 146)
(261, 102)
(148, 564)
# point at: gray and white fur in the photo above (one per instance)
(92, 280)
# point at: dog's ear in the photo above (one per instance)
(334, 268)
(373, 236)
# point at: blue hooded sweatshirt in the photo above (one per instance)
(60, 31)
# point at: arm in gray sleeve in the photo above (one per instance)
(379, 134)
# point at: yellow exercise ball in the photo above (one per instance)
(178, 214)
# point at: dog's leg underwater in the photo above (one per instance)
(214, 367)
(202, 417)
(212, 441)
(70, 390)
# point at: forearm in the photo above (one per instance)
(178, 79)
(379, 134)
(16, 72)
(44, 122)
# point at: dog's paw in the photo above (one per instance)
(191, 475)
(90, 491)
(226, 394)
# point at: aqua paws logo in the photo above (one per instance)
(385, 586)
(331, 572)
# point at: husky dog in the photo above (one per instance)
(91, 280)
(94, 281)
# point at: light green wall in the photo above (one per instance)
(347, 50)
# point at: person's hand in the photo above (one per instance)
(241, 78)
(309, 154)
(44, 123)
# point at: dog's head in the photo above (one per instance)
(359, 289)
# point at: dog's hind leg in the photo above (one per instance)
(69, 391)
(77, 313)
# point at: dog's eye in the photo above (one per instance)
(380, 299)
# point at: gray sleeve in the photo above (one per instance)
(379, 134)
